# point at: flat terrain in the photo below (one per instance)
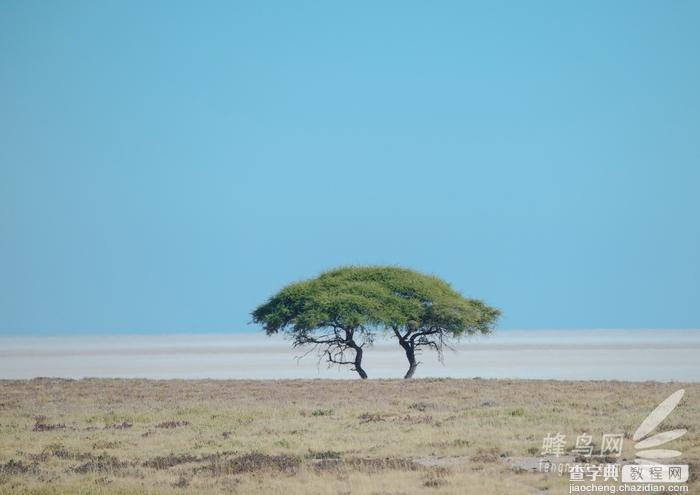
(441, 436)
(630, 355)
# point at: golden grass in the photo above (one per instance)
(310, 436)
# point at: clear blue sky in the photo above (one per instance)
(166, 166)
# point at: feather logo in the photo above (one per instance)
(645, 446)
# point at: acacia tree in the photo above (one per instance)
(338, 313)
(421, 311)
(446, 318)
(334, 317)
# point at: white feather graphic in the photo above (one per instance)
(658, 454)
(658, 415)
(659, 439)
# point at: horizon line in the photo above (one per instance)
(261, 332)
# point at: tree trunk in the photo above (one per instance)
(358, 363)
(412, 364)
(410, 355)
(349, 333)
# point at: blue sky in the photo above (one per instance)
(166, 166)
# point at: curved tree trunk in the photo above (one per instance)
(358, 353)
(412, 363)
(410, 355)
(411, 369)
(358, 363)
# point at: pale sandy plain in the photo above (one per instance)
(630, 355)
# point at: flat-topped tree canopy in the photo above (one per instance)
(343, 308)
(408, 297)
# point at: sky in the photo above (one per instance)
(167, 166)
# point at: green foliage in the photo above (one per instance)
(322, 412)
(374, 297)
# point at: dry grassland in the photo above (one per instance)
(385, 437)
